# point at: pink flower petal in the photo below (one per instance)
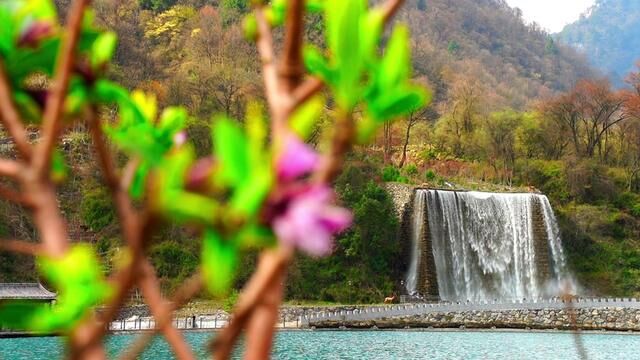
(311, 220)
(296, 159)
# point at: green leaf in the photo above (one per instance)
(232, 150)
(59, 169)
(250, 27)
(29, 108)
(147, 104)
(395, 65)
(108, 92)
(219, 262)
(17, 315)
(254, 236)
(79, 279)
(76, 98)
(136, 190)
(172, 120)
(170, 197)
(305, 118)
(401, 103)
(248, 198)
(343, 34)
(103, 49)
(372, 27)
(7, 31)
(316, 63)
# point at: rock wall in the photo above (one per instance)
(541, 244)
(614, 319)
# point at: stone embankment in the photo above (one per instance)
(613, 319)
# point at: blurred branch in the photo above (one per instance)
(186, 292)
(10, 117)
(10, 168)
(305, 91)
(292, 67)
(390, 8)
(162, 311)
(51, 122)
(272, 264)
(264, 44)
(21, 247)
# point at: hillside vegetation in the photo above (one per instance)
(494, 124)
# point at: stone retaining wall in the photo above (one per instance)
(614, 319)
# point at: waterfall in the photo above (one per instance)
(487, 246)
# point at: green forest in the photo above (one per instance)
(513, 110)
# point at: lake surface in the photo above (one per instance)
(377, 345)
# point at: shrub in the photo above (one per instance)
(96, 209)
(430, 175)
(390, 173)
(411, 170)
(173, 260)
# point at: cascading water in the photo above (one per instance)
(488, 246)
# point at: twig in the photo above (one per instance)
(305, 91)
(14, 196)
(390, 8)
(10, 117)
(162, 311)
(260, 329)
(264, 44)
(343, 136)
(292, 67)
(186, 292)
(10, 168)
(271, 265)
(51, 123)
(19, 246)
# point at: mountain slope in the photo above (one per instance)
(488, 41)
(609, 34)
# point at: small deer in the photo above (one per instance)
(390, 300)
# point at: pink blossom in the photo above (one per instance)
(180, 138)
(310, 220)
(296, 159)
(36, 32)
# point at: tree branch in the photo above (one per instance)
(10, 168)
(51, 123)
(272, 264)
(162, 311)
(186, 292)
(10, 117)
(390, 8)
(21, 247)
(292, 68)
(264, 44)
(305, 91)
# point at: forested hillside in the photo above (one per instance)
(491, 126)
(608, 34)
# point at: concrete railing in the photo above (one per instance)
(190, 323)
(402, 310)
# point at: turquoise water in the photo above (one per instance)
(378, 345)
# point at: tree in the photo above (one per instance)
(590, 111)
(500, 134)
(412, 120)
